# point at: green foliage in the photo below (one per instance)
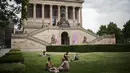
(13, 56)
(14, 50)
(126, 30)
(110, 30)
(89, 48)
(103, 30)
(90, 30)
(14, 53)
(7, 15)
(25, 4)
(12, 68)
(8, 12)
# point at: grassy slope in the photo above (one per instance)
(97, 62)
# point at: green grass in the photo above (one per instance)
(96, 62)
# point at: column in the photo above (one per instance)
(80, 16)
(66, 12)
(43, 14)
(73, 16)
(34, 11)
(58, 13)
(50, 15)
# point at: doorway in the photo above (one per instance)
(64, 38)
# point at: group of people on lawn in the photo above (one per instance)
(64, 66)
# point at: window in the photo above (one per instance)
(76, 13)
(47, 11)
(55, 11)
(38, 11)
(30, 11)
(70, 13)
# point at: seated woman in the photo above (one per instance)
(50, 67)
(66, 55)
(64, 65)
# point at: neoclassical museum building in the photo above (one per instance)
(55, 22)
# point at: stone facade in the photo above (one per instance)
(53, 22)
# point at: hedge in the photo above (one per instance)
(12, 68)
(11, 50)
(12, 59)
(13, 56)
(89, 48)
(14, 53)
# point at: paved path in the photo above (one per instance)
(3, 51)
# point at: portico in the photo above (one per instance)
(49, 14)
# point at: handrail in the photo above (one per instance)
(37, 31)
(38, 40)
(96, 40)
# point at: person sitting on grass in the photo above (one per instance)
(44, 54)
(66, 55)
(64, 65)
(50, 67)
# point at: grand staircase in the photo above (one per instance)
(30, 36)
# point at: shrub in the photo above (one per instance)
(14, 50)
(12, 58)
(12, 68)
(14, 53)
(89, 48)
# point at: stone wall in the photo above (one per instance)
(24, 43)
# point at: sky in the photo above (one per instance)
(102, 12)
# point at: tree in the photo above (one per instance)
(25, 4)
(9, 12)
(90, 30)
(110, 30)
(102, 30)
(8, 17)
(113, 29)
(126, 31)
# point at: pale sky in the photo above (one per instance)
(101, 12)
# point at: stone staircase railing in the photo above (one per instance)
(38, 40)
(37, 31)
(96, 40)
(88, 32)
(31, 38)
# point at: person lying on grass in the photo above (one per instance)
(44, 54)
(50, 67)
(64, 65)
(76, 57)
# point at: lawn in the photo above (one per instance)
(94, 62)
